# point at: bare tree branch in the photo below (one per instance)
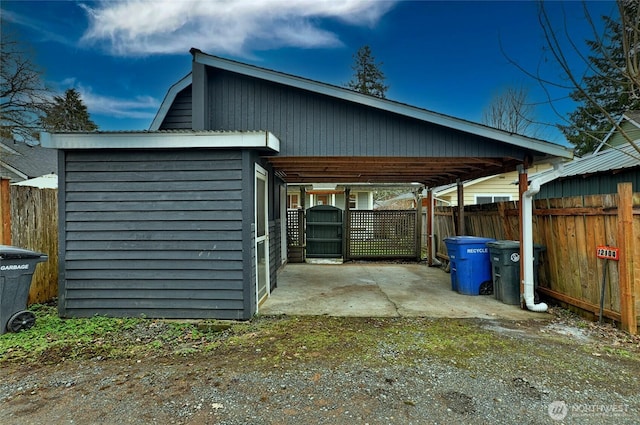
(22, 93)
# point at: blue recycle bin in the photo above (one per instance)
(470, 263)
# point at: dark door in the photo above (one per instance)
(324, 232)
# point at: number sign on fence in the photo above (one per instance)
(608, 253)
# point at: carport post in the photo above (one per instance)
(418, 224)
(460, 190)
(346, 226)
(429, 226)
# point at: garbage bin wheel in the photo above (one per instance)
(21, 321)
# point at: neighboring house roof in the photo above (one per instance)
(605, 161)
(630, 117)
(20, 161)
(47, 181)
(446, 189)
(356, 97)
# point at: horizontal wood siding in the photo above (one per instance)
(157, 233)
(179, 115)
(310, 124)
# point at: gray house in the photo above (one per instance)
(187, 219)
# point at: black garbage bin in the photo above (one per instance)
(16, 270)
(505, 269)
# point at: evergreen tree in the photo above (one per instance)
(368, 78)
(609, 90)
(67, 113)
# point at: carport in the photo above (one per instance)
(188, 219)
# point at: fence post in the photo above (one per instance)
(5, 212)
(625, 242)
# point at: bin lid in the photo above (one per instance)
(504, 244)
(462, 240)
(13, 252)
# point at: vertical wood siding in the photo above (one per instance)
(310, 124)
(157, 233)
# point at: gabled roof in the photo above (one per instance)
(632, 117)
(20, 161)
(168, 101)
(448, 188)
(342, 93)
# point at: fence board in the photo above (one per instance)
(570, 229)
(594, 229)
(443, 227)
(34, 226)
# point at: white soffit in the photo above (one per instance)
(161, 140)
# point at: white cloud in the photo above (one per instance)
(140, 107)
(143, 27)
(37, 26)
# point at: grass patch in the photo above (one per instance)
(265, 340)
(279, 341)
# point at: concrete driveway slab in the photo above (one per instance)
(380, 290)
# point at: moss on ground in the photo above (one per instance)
(268, 342)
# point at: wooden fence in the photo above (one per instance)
(571, 229)
(30, 220)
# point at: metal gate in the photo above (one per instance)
(324, 232)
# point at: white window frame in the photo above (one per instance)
(493, 197)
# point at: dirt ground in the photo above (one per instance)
(345, 371)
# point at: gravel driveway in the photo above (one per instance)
(501, 372)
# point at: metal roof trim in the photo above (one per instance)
(160, 140)
(601, 162)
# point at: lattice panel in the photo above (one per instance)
(382, 234)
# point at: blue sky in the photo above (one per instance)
(450, 57)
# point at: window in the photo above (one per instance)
(490, 199)
(353, 201)
(293, 201)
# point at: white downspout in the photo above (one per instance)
(527, 236)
